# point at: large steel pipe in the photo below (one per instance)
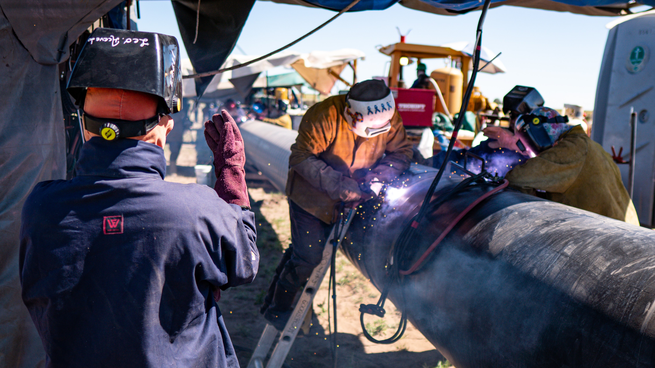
(519, 282)
(267, 148)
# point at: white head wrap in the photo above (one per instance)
(370, 118)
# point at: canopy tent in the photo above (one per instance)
(455, 7)
(319, 69)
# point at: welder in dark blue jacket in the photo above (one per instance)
(118, 267)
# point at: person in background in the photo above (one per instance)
(566, 166)
(346, 145)
(175, 138)
(236, 112)
(118, 267)
(422, 78)
(576, 116)
(276, 115)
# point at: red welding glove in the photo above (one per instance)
(503, 138)
(224, 139)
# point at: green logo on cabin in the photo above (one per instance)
(637, 56)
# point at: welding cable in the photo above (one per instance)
(451, 226)
(332, 280)
(394, 276)
(207, 74)
(332, 284)
(408, 232)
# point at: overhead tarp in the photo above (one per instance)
(210, 30)
(455, 7)
(35, 36)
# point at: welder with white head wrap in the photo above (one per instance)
(346, 145)
(566, 166)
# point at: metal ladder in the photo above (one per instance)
(288, 335)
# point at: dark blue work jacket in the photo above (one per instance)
(118, 267)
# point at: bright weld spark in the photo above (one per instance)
(395, 193)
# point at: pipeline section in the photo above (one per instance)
(518, 282)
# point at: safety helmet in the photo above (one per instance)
(130, 60)
(540, 129)
(369, 108)
(522, 100)
(421, 67)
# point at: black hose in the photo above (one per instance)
(408, 232)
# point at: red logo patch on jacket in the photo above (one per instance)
(112, 225)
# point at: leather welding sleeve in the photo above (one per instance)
(315, 134)
(224, 139)
(398, 153)
(319, 174)
(554, 170)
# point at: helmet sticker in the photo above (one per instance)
(109, 131)
(115, 41)
(355, 116)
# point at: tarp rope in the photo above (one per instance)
(408, 233)
(207, 74)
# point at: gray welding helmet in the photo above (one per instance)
(522, 100)
(130, 60)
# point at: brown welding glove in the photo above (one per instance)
(337, 186)
(225, 141)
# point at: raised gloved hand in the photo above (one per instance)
(225, 141)
(503, 138)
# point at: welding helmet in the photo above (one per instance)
(539, 130)
(130, 60)
(521, 100)
(369, 108)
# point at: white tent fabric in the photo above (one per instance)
(317, 67)
(314, 67)
(485, 56)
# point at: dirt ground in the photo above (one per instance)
(240, 306)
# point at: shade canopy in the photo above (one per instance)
(319, 69)
(456, 7)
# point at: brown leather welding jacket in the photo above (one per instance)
(326, 134)
(577, 172)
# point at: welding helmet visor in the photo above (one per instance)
(369, 108)
(130, 60)
(538, 132)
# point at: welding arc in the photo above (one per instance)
(207, 74)
(408, 233)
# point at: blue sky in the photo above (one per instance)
(558, 53)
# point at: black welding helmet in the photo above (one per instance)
(521, 100)
(130, 60)
(539, 130)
